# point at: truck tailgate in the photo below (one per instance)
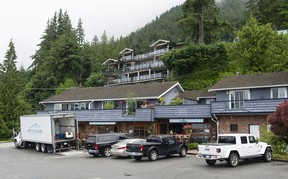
(211, 149)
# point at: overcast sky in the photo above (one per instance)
(24, 21)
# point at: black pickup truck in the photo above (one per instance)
(156, 145)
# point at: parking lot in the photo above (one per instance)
(27, 163)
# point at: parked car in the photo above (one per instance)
(232, 147)
(119, 149)
(97, 144)
(156, 145)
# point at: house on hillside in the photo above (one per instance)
(136, 67)
(243, 102)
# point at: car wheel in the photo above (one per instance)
(107, 152)
(38, 147)
(16, 144)
(43, 148)
(267, 155)
(210, 162)
(137, 158)
(153, 155)
(233, 160)
(183, 152)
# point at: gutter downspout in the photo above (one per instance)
(90, 105)
(215, 119)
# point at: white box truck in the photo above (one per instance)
(47, 132)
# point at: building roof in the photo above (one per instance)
(139, 91)
(110, 61)
(160, 42)
(198, 94)
(264, 80)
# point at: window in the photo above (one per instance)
(234, 127)
(227, 139)
(278, 93)
(57, 107)
(252, 139)
(76, 106)
(139, 132)
(243, 140)
(237, 98)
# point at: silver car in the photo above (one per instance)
(119, 148)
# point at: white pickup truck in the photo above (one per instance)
(232, 147)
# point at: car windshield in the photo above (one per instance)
(227, 139)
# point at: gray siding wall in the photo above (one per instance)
(263, 93)
(222, 96)
(49, 107)
(115, 115)
(171, 94)
(96, 105)
(183, 111)
(188, 101)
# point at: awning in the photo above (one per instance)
(186, 120)
(102, 123)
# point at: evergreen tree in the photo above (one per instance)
(198, 14)
(11, 103)
(260, 49)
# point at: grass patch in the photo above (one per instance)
(7, 140)
(280, 156)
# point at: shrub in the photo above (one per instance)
(279, 143)
(193, 146)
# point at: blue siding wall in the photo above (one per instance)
(171, 94)
(222, 96)
(263, 93)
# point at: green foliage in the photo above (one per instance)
(68, 83)
(163, 27)
(197, 67)
(272, 11)
(12, 104)
(176, 101)
(131, 102)
(260, 49)
(95, 79)
(109, 105)
(279, 143)
(192, 146)
(198, 14)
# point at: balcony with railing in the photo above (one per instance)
(112, 115)
(183, 111)
(144, 56)
(144, 66)
(136, 79)
(245, 106)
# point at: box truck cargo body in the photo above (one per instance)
(47, 132)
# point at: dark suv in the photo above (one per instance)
(96, 144)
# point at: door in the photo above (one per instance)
(255, 130)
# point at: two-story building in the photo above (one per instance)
(243, 102)
(236, 104)
(123, 108)
(135, 67)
